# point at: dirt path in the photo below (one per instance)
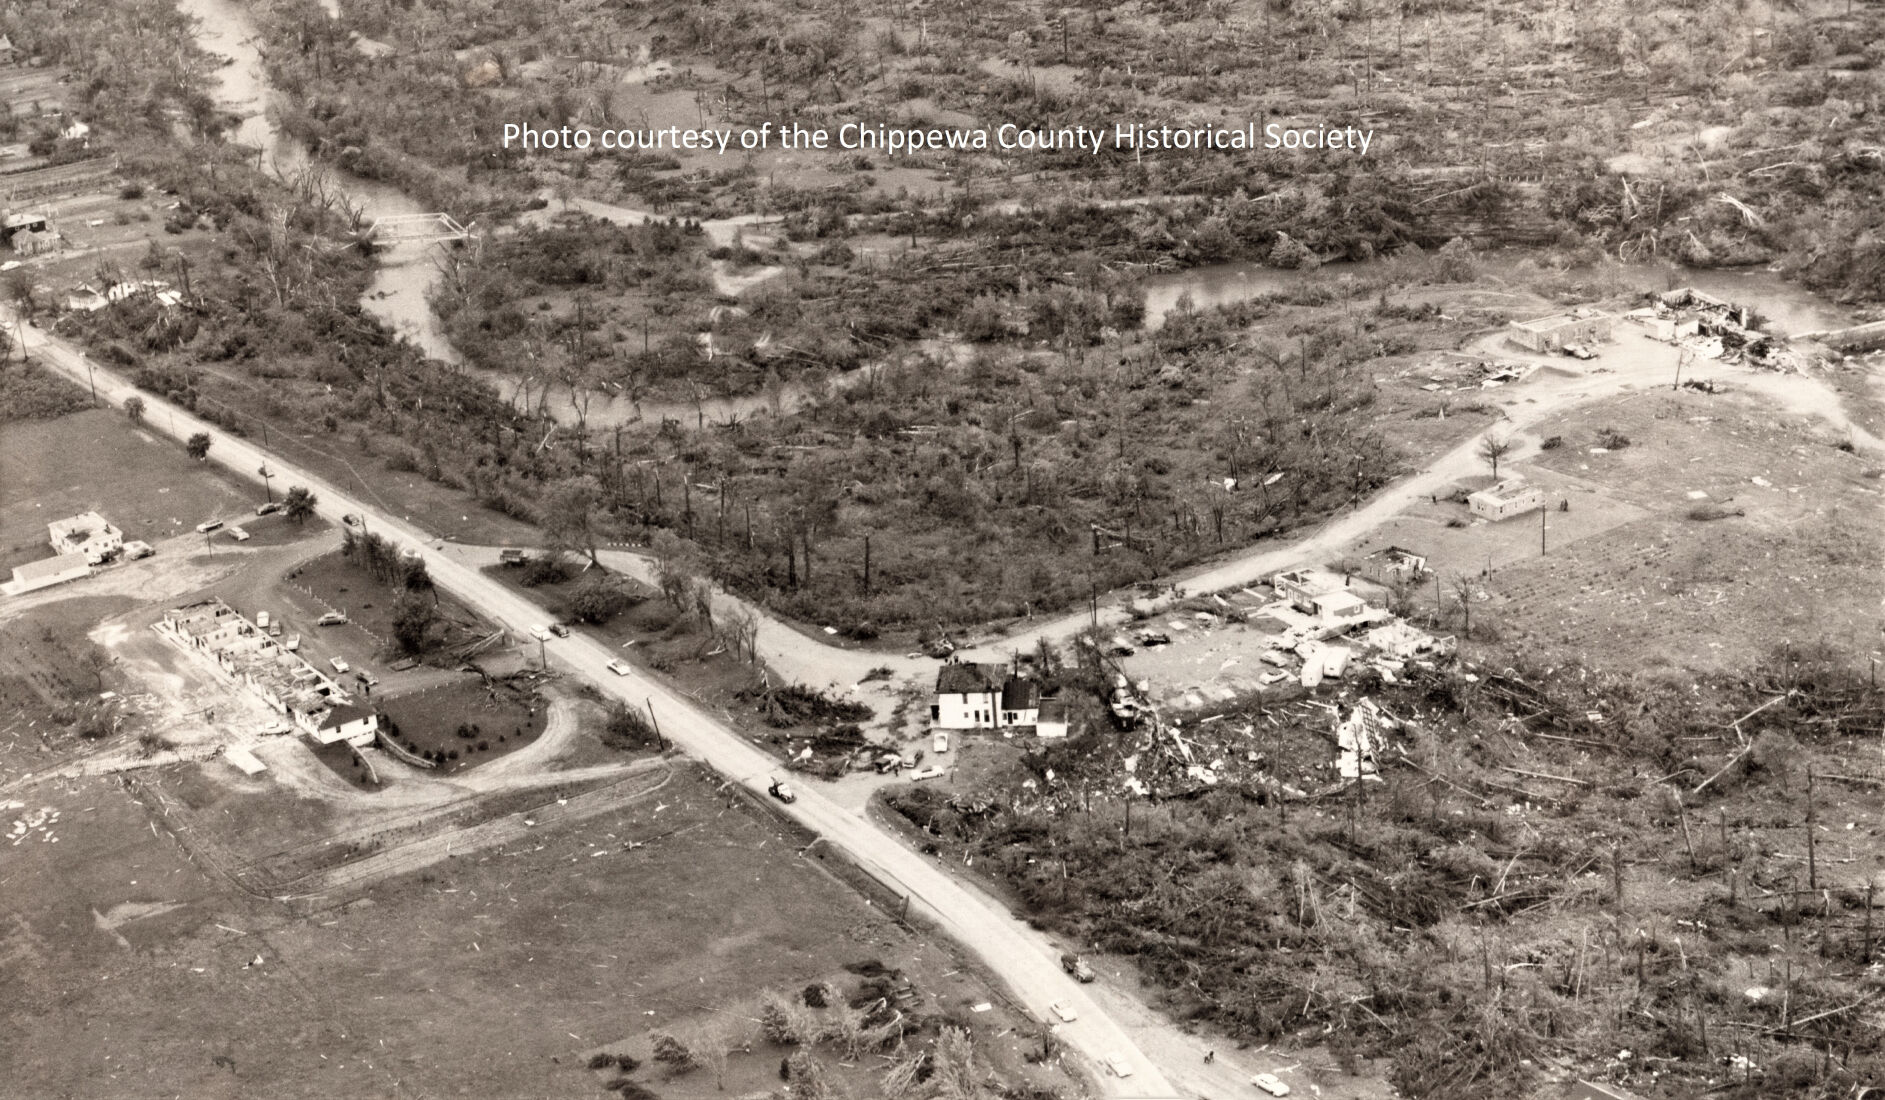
(636, 781)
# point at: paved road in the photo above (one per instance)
(1024, 959)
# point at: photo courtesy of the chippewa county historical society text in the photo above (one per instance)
(942, 550)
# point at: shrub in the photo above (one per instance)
(627, 728)
(1612, 440)
(548, 569)
(670, 1051)
(1551, 443)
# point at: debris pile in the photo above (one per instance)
(25, 827)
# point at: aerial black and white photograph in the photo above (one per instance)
(942, 550)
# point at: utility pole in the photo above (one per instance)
(660, 738)
(1542, 513)
(86, 359)
(267, 475)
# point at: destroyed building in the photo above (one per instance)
(86, 533)
(246, 654)
(1395, 565)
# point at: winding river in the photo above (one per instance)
(398, 294)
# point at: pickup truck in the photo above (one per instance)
(1075, 965)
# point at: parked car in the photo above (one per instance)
(291, 643)
(559, 630)
(1118, 1064)
(261, 619)
(268, 509)
(1075, 965)
(926, 773)
(332, 618)
(782, 792)
(136, 549)
(541, 633)
(1579, 351)
(207, 526)
(619, 667)
(1065, 1011)
(350, 520)
(1271, 1084)
(511, 556)
(238, 534)
(940, 743)
(340, 664)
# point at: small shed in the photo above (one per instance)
(1551, 334)
(1505, 499)
(46, 572)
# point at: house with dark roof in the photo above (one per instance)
(971, 696)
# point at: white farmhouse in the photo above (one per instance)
(86, 533)
(971, 696)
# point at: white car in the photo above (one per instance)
(1065, 1011)
(926, 773)
(339, 664)
(238, 534)
(1118, 1064)
(541, 633)
(620, 668)
(1269, 1083)
(261, 619)
(208, 526)
(292, 643)
(940, 743)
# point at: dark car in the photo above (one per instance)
(270, 508)
(781, 792)
(559, 630)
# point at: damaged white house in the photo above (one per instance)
(971, 696)
(1505, 499)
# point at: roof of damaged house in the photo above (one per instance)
(1559, 320)
(1510, 489)
(343, 713)
(1019, 694)
(964, 678)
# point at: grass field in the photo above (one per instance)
(467, 722)
(1703, 594)
(492, 975)
(95, 461)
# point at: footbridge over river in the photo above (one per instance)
(424, 228)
